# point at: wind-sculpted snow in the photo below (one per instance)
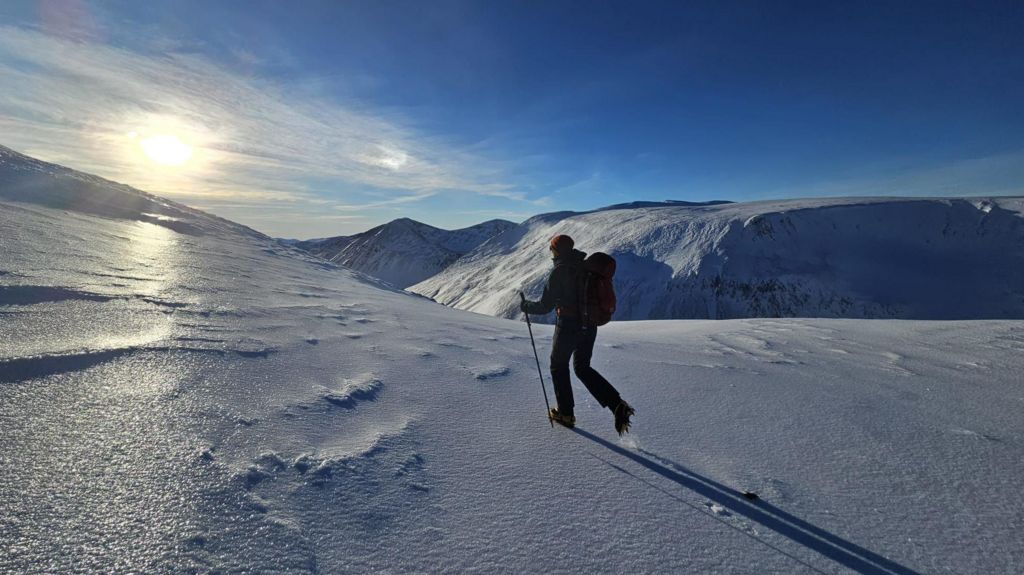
(354, 391)
(214, 402)
(404, 251)
(851, 258)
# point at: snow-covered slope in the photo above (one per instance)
(203, 399)
(26, 179)
(905, 258)
(403, 252)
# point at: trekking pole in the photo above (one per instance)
(539, 373)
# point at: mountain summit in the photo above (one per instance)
(403, 252)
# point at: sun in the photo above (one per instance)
(166, 149)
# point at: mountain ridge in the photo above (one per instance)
(24, 178)
(814, 257)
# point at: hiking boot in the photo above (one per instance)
(566, 420)
(622, 412)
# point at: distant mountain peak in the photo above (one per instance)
(404, 251)
(406, 222)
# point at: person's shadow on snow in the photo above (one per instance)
(841, 551)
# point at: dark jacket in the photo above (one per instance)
(562, 290)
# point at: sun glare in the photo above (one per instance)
(166, 149)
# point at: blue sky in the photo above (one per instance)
(322, 118)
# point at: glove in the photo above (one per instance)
(524, 306)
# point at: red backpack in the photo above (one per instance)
(597, 289)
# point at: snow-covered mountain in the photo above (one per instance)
(26, 179)
(403, 252)
(179, 394)
(922, 258)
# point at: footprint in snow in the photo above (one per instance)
(448, 343)
(490, 372)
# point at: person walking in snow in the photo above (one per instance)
(574, 338)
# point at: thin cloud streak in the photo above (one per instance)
(75, 103)
(384, 203)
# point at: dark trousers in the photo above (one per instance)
(573, 340)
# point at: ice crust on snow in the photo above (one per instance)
(178, 421)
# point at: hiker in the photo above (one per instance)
(574, 337)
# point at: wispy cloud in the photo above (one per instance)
(385, 203)
(256, 142)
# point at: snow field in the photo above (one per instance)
(200, 398)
